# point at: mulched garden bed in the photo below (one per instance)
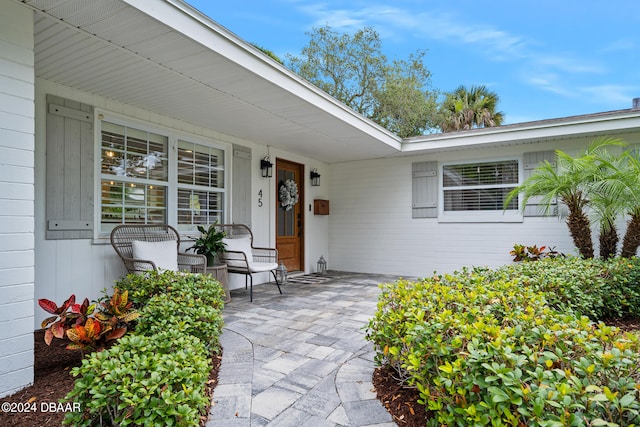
(53, 381)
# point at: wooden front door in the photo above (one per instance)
(289, 214)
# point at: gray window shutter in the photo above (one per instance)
(70, 163)
(531, 162)
(424, 183)
(241, 186)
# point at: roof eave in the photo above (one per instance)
(524, 133)
(249, 57)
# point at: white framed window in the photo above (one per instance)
(152, 175)
(476, 191)
(200, 185)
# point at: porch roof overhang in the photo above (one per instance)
(165, 57)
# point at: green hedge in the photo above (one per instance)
(184, 314)
(158, 374)
(485, 348)
(200, 287)
(155, 380)
(595, 288)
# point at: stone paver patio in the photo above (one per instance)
(301, 358)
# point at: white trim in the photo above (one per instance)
(477, 216)
(589, 125)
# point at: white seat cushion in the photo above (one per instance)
(241, 244)
(256, 267)
(163, 254)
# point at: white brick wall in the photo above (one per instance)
(16, 196)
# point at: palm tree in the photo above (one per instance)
(608, 184)
(569, 186)
(624, 189)
(465, 109)
(631, 239)
(608, 191)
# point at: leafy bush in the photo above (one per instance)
(594, 288)
(201, 287)
(623, 296)
(533, 253)
(153, 380)
(87, 329)
(158, 376)
(485, 349)
(181, 313)
(64, 317)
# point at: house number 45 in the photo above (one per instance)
(260, 198)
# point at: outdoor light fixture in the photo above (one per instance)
(322, 266)
(281, 273)
(315, 178)
(266, 167)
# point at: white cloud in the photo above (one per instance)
(545, 70)
(342, 19)
(567, 64)
(614, 95)
(400, 21)
(550, 83)
(620, 45)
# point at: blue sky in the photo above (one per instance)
(545, 59)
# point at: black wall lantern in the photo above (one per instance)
(266, 167)
(315, 178)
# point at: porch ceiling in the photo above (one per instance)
(165, 57)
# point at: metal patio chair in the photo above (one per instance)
(242, 257)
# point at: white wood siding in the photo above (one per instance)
(85, 267)
(16, 197)
(372, 229)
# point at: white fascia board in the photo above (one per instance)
(187, 20)
(525, 133)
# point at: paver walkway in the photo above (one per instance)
(301, 358)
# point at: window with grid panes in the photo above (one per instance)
(479, 186)
(134, 176)
(200, 185)
(155, 177)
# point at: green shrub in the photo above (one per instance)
(623, 296)
(143, 380)
(183, 313)
(485, 350)
(594, 288)
(159, 375)
(201, 287)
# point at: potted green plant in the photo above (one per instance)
(209, 243)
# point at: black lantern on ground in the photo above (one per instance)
(266, 167)
(322, 266)
(315, 178)
(281, 273)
